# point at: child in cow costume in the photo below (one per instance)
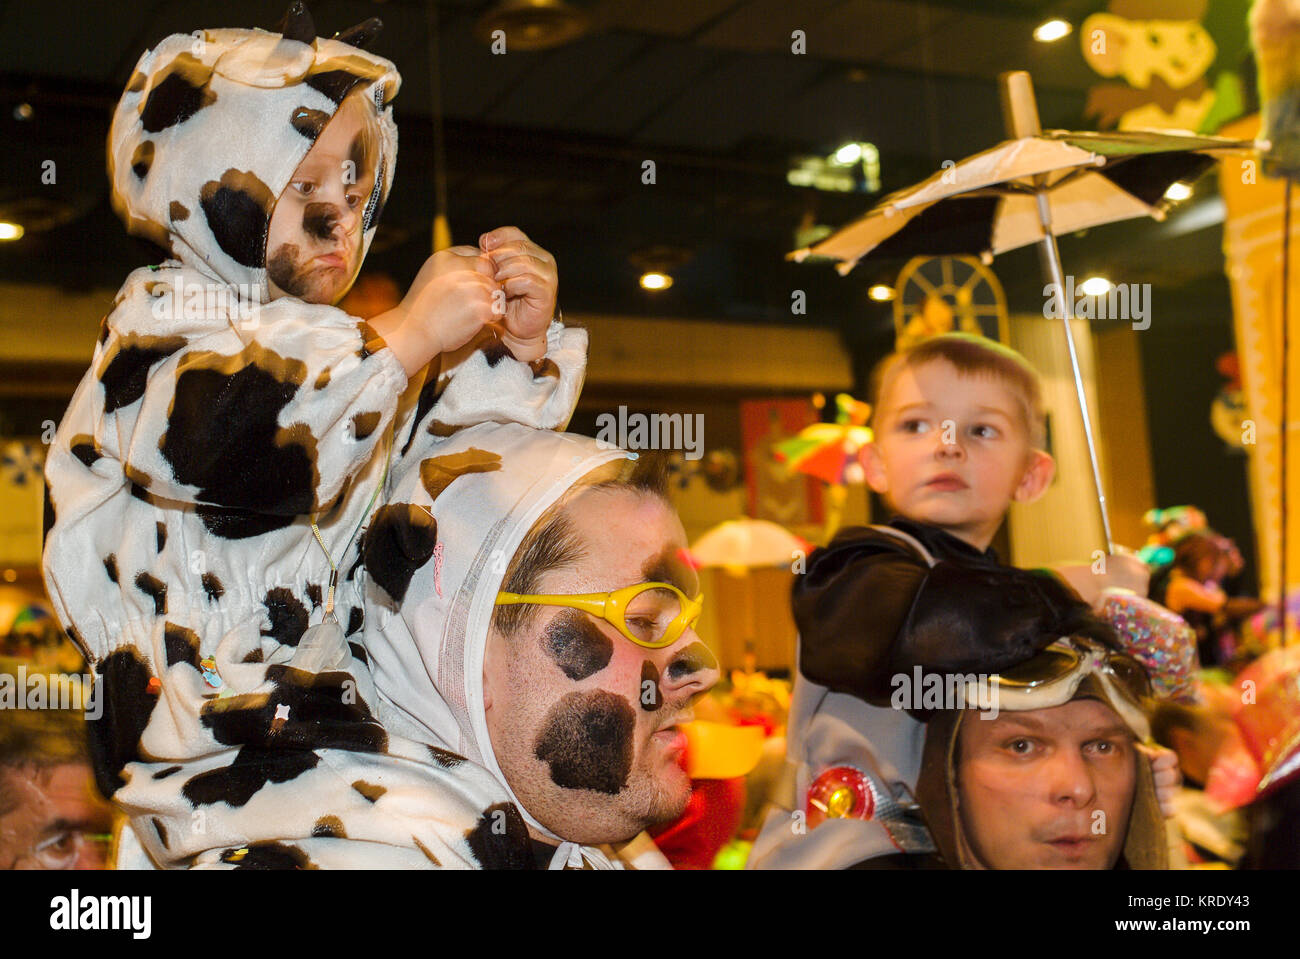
(211, 488)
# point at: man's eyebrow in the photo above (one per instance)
(660, 570)
(1113, 729)
(63, 825)
(1017, 719)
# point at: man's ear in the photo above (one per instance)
(1038, 475)
(874, 468)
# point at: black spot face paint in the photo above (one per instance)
(692, 659)
(586, 739)
(357, 154)
(576, 645)
(319, 220)
(652, 699)
(285, 272)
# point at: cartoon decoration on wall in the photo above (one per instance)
(1228, 413)
(940, 294)
(1163, 51)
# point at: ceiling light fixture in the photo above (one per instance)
(1052, 30)
(532, 24)
(10, 231)
(656, 281)
(849, 153)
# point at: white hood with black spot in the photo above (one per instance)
(212, 126)
(456, 518)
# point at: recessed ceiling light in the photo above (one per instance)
(656, 281)
(532, 24)
(881, 293)
(1095, 286)
(849, 153)
(10, 231)
(1052, 30)
(1178, 192)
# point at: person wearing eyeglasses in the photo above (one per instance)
(531, 654)
(551, 642)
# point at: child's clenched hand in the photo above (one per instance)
(1126, 571)
(450, 300)
(453, 297)
(1164, 770)
(529, 277)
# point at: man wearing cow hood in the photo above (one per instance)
(532, 612)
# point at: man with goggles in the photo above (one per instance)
(1056, 780)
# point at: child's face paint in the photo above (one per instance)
(313, 248)
(584, 721)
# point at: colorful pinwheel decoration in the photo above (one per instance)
(832, 453)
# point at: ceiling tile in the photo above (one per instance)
(564, 79)
(673, 18)
(764, 25)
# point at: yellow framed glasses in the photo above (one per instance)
(653, 615)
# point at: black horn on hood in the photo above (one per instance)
(361, 34)
(297, 23)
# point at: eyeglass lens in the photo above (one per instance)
(651, 612)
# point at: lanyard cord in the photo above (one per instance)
(365, 515)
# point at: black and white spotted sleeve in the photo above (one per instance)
(270, 414)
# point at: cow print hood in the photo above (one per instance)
(211, 128)
(436, 556)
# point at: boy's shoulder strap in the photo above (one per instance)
(909, 539)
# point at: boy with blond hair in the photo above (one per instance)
(959, 429)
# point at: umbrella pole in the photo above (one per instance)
(1050, 257)
(1020, 113)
